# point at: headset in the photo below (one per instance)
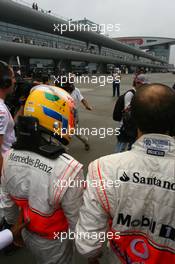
(5, 78)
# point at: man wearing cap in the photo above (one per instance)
(128, 130)
(138, 72)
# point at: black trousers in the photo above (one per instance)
(116, 85)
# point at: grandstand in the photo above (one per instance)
(30, 35)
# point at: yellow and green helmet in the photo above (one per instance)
(55, 110)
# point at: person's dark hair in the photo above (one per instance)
(67, 85)
(45, 79)
(153, 108)
(141, 71)
(173, 86)
(4, 67)
(57, 84)
(18, 97)
(5, 75)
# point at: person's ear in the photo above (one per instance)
(139, 133)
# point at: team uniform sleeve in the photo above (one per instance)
(3, 121)
(6, 238)
(10, 209)
(72, 200)
(92, 224)
(127, 99)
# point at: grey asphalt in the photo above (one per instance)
(100, 97)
